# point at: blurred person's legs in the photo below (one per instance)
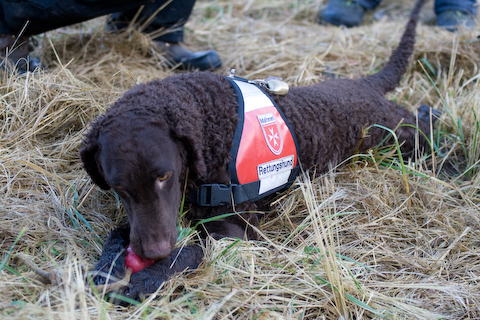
(450, 13)
(21, 19)
(168, 25)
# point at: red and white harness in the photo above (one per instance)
(264, 151)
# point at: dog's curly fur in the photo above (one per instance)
(184, 126)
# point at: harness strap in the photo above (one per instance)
(214, 194)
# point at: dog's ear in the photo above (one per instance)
(188, 134)
(89, 155)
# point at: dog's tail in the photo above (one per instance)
(389, 77)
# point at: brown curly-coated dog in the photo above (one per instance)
(144, 145)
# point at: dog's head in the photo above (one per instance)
(143, 160)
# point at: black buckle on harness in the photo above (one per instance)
(214, 194)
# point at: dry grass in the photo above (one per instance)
(355, 243)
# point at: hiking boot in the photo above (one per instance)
(190, 60)
(452, 19)
(343, 13)
(175, 51)
(14, 53)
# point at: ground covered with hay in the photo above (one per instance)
(374, 238)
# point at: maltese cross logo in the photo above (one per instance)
(271, 132)
(273, 138)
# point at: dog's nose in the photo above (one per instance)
(157, 250)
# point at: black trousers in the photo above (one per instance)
(44, 15)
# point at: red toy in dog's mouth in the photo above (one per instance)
(136, 263)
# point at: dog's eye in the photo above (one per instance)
(165, 176)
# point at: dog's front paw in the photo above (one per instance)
(146, 281)
(111, 265)
(111, 271)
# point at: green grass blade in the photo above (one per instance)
(4, 261)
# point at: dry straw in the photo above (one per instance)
(370, 239)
